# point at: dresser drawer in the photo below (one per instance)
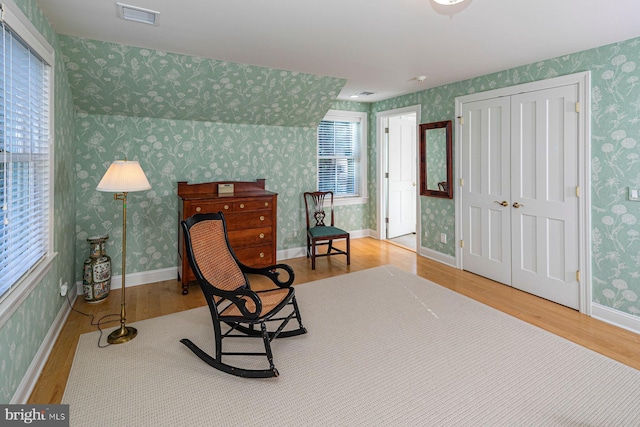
(251, 237)
(252, 205)
(211, 207)
(244, 220)
(257, 256)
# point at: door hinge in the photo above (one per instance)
(577, 191)
(577, 107)
(386, 130)
(578, 276)
(461, 120)
(462, 243)
(461, 182)
(386, 174)
(386, 220)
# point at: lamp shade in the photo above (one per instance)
(124, 176)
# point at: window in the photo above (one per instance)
(342, 160)
(25, 158)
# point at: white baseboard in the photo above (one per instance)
(615, 317)
(171, 273)
(140, 278)
(302, 251)
(28, 383)
(438, 256)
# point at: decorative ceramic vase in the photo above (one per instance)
(96, 281)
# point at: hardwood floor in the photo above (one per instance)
(158, 299)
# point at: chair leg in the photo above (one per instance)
(267, 348)
(313, 254)
(308, 247)
(348, 251)
(330, 246)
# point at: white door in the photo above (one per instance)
(544, 202)
(486, 227)
(519, 203)
(402, 182)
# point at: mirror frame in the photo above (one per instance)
(448, 194)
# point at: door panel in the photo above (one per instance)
(544, 173)
(485, 172)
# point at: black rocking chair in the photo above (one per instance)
(231, 301)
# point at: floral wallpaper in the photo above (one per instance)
(24, 332)
(615, 162)
(108, 78)
(175, 150)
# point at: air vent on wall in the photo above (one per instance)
(137, 14)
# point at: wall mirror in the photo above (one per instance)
(436, 169)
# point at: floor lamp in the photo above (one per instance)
(123, 177)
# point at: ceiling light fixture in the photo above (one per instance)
(137, 14)
(448, 2)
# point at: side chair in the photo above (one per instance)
(236, 310)
(319, 207)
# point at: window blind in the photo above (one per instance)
(24, 159)
(339, 157)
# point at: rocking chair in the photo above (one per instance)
(319, 233)
(231, 301)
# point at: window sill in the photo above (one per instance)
(345, 201)
(24, 288)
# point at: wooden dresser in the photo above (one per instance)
(250, 213)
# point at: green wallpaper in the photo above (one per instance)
(22, 335)
(114, 79)
(615, 127)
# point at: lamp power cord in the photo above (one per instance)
(99, 323)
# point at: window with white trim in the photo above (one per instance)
(25, 157)
(342, 158)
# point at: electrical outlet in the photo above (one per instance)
(443, 238)
(64, 288)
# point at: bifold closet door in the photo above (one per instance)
(519, 201)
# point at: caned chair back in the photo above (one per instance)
(211, 256)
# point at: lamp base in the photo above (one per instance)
(122, 335)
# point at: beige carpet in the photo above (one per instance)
(384, 348)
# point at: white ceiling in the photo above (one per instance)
(379, 46)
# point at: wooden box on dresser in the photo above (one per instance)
(250, 214)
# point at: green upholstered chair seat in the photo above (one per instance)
(324, 231)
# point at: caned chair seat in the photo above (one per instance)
(271, 300)
(234, 306)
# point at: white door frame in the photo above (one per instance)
(583, 80)
(381, 161)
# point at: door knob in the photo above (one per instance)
(517, 205)
(502, 203)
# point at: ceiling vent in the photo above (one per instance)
(137, 14)
(365, 93)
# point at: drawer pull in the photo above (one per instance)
(241, 205)
(226, 206)
(261, 218)
(262, 235)
(198, 209)
(266, 203)
(261, 254)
